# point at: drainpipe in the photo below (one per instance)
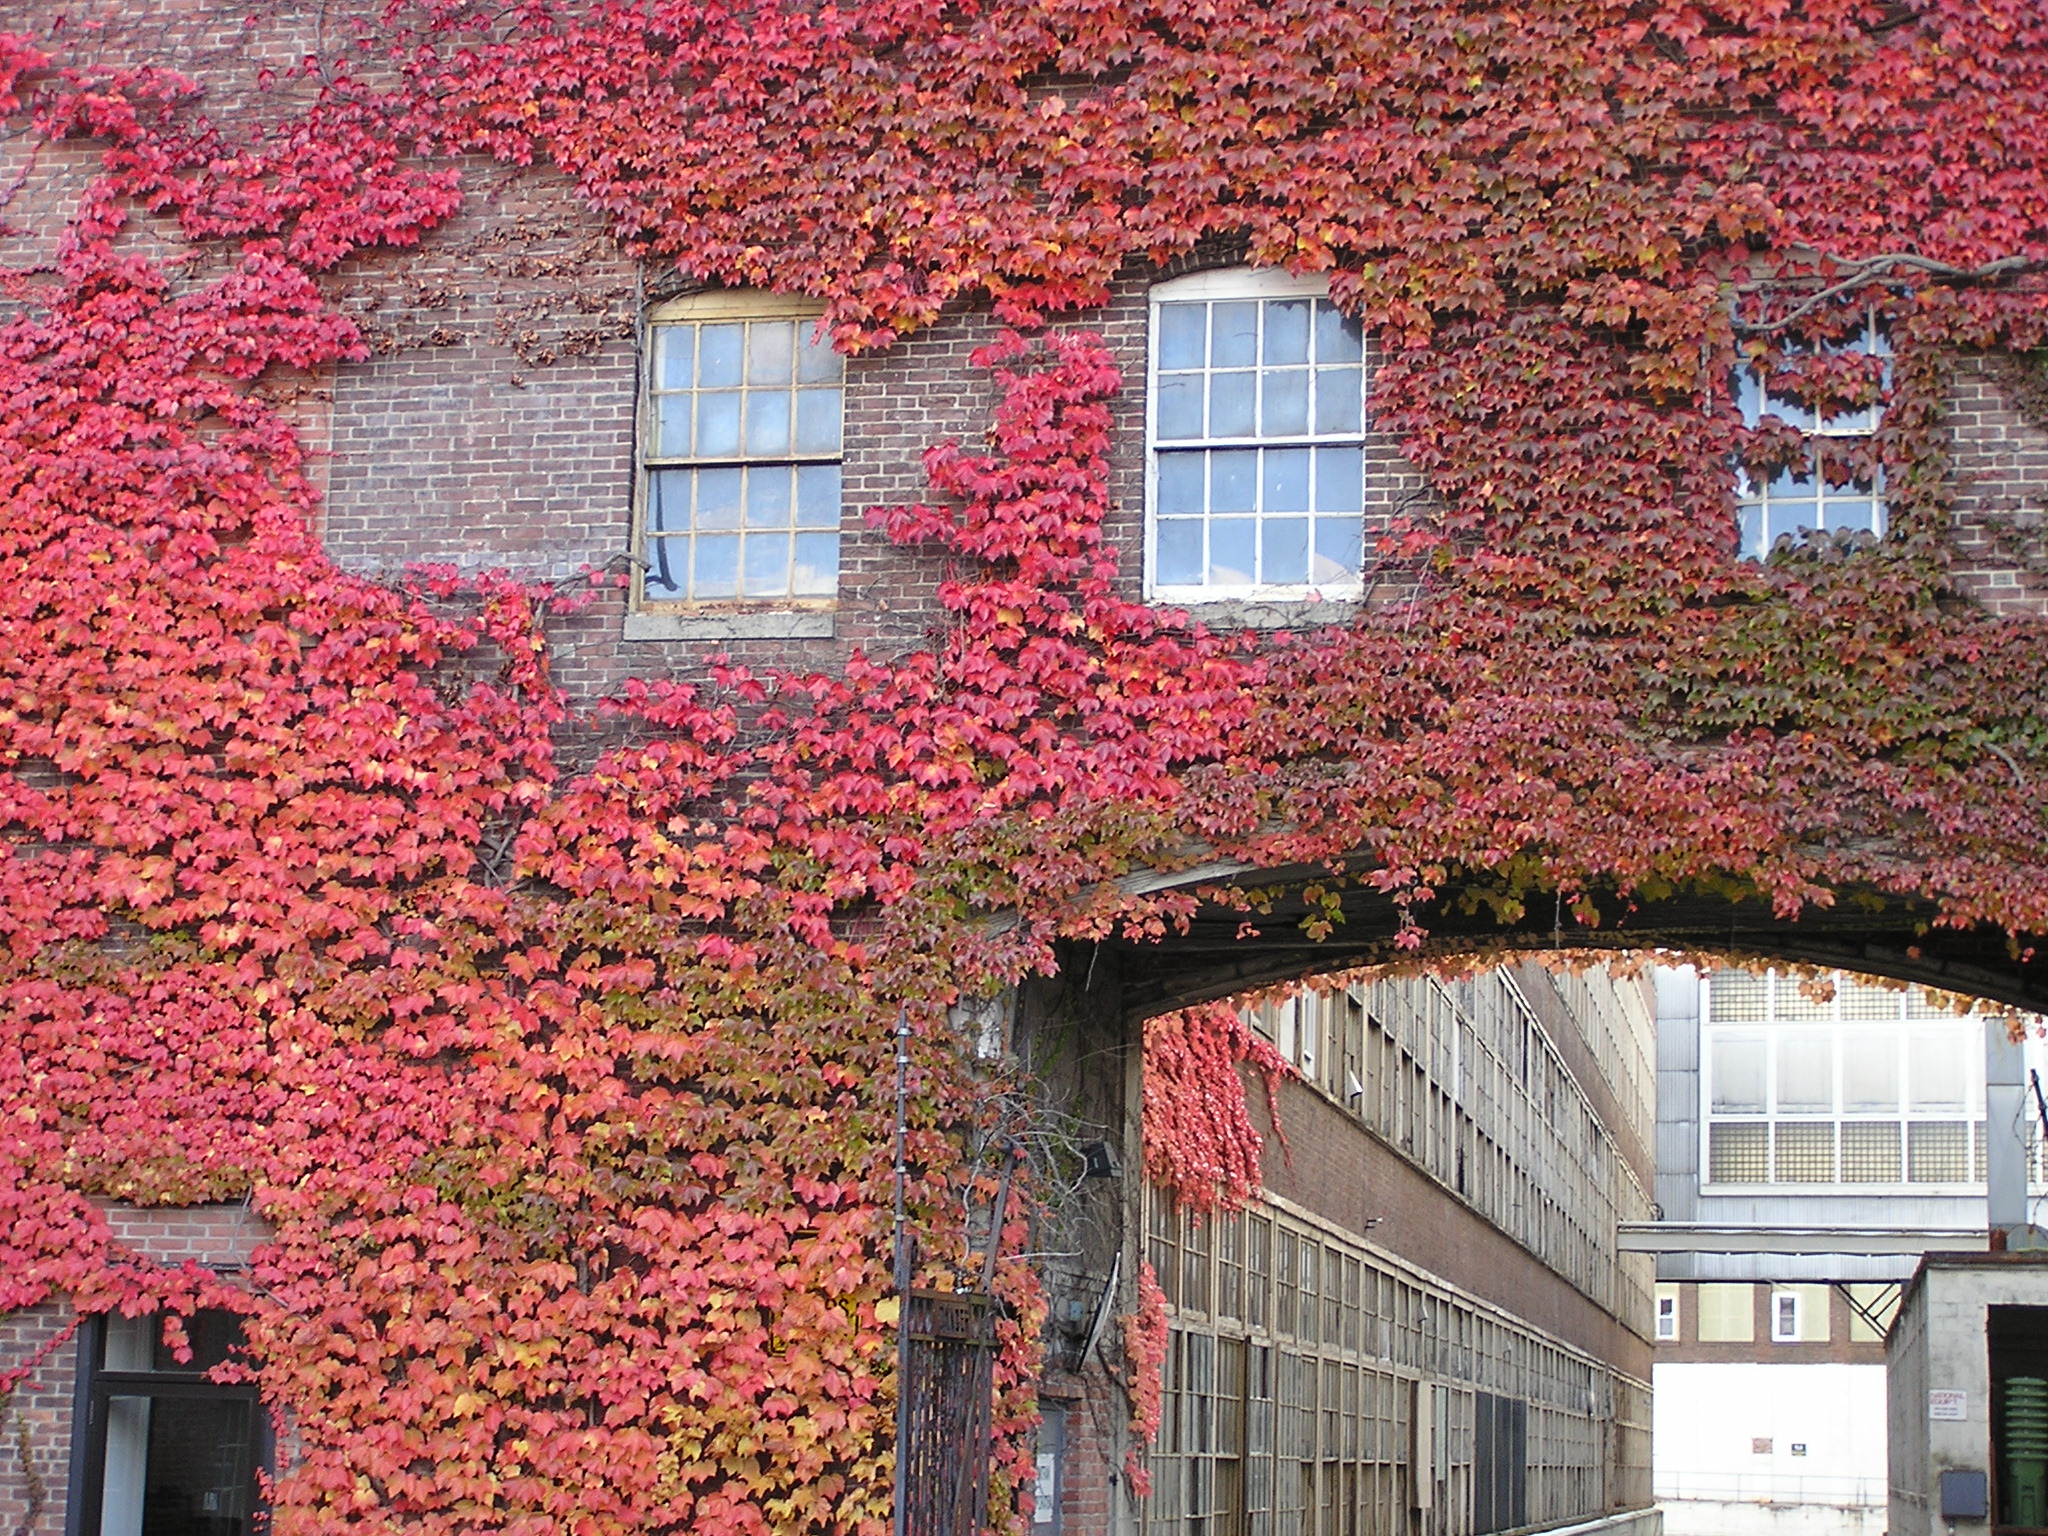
(2005, 1144)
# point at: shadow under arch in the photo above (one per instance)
(1225, 948)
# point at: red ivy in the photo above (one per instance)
(560, 1088)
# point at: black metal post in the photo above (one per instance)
(901, 1254)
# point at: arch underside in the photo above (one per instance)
(1867, 931)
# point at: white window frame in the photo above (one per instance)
(1754, 502)
(1782, 1331)
(740, 306)
(1667, 1319)
(1248, 284)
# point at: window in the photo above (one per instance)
(1799, 1314)
(1827, 498)
(740, 438)
(1868, 1086)
(1667, 1312)
(167, 1449)
(1256, 432)
(1784, 1317)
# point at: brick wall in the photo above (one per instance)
(2001, 473)
(35, 1421)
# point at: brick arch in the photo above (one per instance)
(1866, 930)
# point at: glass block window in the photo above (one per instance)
(1870, 1152)
(1938, 1152)
(1257, 436)
(1803, 1153)
(1827, 498)
(1738, 1154)
(740, 456)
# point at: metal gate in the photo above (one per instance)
(946, 1404)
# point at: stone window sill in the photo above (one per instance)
(733, 624)
(1256, 613)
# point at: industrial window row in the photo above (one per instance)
(1463, 1082)
(1313, 1389)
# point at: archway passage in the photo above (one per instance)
(1385, 1127)
(1264, 938)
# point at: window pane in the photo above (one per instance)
(668, 501)
(1178, 551)
(715, 570)
(668, 562)
(1738, 1076)
(196, 1473)
(1234, 480)
(817, 496)
(1233, 334)
(132, 1342)
(767, 566)
(816, 361)
(1806, 1073)
(817, 565)
(1340, 482)
(1337, 549)
(1870, 1071)
(1287, 323)
(1180, 487)
(1285, 552)
(125, 1473)
(768, 497)
(675, 356)
(1286, 480)
(718, 426)
(718, 498)
(1339, 339)
(767, 424)
(1751, 521)
(1286, 403)
(1788, 519)
(1338, 395)
(817, 421)
(771, 351)
(672, 430)
(1183, 331)
(1231, 552)
(1178, 401)
(1230, 404)
(719, 354)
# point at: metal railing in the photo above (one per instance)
(1839, 1492)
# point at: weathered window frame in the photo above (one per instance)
(671, 455)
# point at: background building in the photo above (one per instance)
(1424, 1324)
(1812, 1143)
